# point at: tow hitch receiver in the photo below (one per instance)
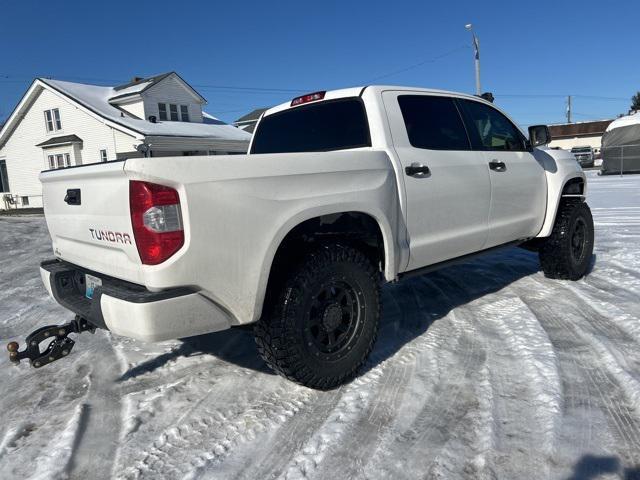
(59, 347)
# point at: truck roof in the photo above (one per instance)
(357, 91)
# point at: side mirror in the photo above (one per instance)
(539, 135)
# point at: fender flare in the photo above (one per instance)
(390, 263)
(553, 202)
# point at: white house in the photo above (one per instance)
(62, 124)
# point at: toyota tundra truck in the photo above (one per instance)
(340, 192)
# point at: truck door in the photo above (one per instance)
(518, 182)
(446, 182)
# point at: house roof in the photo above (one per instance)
(63, 140)
(96, 98)
(252, 116)
(139, 85)
(248, 127)
(211, 120)
(142, 83)
(580, 129)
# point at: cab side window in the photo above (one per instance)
(433, 123)
(490, 129)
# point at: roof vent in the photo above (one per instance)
(152, 118)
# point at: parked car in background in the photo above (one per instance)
(584, 156)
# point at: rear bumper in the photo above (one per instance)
(131, 310)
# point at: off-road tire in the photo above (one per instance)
(289, 337)
(562, 255)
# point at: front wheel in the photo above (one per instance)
(566, 253)
(323, 320)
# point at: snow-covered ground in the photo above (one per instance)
(482, 370)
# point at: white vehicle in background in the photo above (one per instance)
(584, 155)
(340, 192)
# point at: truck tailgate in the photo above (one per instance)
(87, 213)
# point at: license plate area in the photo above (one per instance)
(91, 283)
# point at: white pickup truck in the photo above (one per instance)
(340, 191)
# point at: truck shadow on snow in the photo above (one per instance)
(409, 309)
(412, 306)
(235, 346)
(591, 467)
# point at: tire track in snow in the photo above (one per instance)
(377, 422)
(443, 408)
(526, 385)
(575, 348)
(355, 401)
(368, 406)
(283, 443)
(201, 440)
(100, 421)
(613, 334)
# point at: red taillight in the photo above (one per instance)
(311, 97)
(156, 220)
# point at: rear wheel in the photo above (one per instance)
(323, 320)
(566, 253)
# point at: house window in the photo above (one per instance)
(162, 110)
(103, 155)
(59, 161)
(184, 112)
(52, 120)
(52, 161)
(173, 111)
(4, 179)
(25, 201)
(56, 118)
(67, 160)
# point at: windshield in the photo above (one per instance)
(317, 127)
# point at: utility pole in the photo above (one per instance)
(476, 55)
(569, 109)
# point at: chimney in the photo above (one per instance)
(137, 79)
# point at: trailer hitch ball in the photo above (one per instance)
(58, 343)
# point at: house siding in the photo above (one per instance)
(135, 108)
(171, 90)
(25, 160)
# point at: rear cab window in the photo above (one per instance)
(328, 125)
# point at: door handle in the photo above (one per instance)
(417, 170)
(497, 166)
(72, 197)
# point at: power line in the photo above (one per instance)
(528, 95)
(419, 64)
(557, 95)
(596, 97)
(255, 89)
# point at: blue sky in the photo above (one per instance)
(246, 54)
